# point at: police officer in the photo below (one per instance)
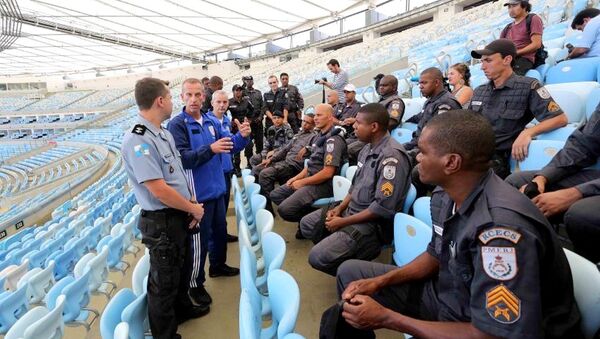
(199, 139)
(241, 109)
(314, 182)
(274, 100)
(256, 99)
(277, 136)
(155, 172)
(345, 112)
(493, 267)
(295, 101)
(365, 218)
(510, 102)
(214, 84)
(288, 161)
(567, 185)
(388, 91)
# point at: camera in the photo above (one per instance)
(317, 81)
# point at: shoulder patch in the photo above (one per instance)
(499, 263)
(328, 159)
(388, 160)
(330, 146)
(389, 172)
(503, 305)
(444, 108)
(139, 129)
(543, 93)
(387, 188)
(499, 233)
(553, 107)
(141, 150)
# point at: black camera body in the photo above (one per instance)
(317, 81)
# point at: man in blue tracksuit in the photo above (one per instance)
(198, 138)
(220, 103)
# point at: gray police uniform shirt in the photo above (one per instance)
(332, 152)
(277, 137)
(581, 150)
(512, 106)
(291, 149)
(501, 266)
(441, 103)
(381, 183)
(150, 153)
(395, 107)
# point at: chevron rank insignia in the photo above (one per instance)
(387, 189)
(139, 129)
(503, 305)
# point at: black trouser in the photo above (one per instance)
(501, 163)
(279, 172)
(294, 120)
(164, 233)
(257, 139)
(522, 65)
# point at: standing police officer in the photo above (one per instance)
(510, 102)
(493, 267)
(314, 182)
(256, 125)
(365, 218)
(275, 100)
(168, 208)
(241, 109)
(295, 101)
(388, 91)
(214, 84)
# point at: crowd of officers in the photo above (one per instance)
(494, 265)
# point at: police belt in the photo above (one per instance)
(164, 213)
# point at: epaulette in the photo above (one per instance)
(139, 129)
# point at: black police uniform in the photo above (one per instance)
(256, 99)
(395, 107)
(240, 110)
(380, 185)
(207, 104)
(329, 149)
(274, 102)
(295, 106)
(509, 109)
(501, 268)
(570, 168)
(275, 138)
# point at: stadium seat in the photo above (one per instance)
(140, 272)
(411, 237)
(13, 305)
(284, 296)
(111, 316)
(13, 276)
(351, 172)
(532, 73)
(136, 316)
(293, 336)
(570, 103)
(586, 286)
(412, 107)
(341, 186)
(344, 169)
(422, 210)
(411, 195)
(248, 274)
(581, 69)
(539, 155)
(40, 323)
(98, 267)
(38, 283)
(592, 102)
(250, 319)
(77, 296)
(402, 135)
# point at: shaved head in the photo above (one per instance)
(435, 73)
(388, 85)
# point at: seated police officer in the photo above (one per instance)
(154, 169)
(493, 268)
(314, 182)
(365, 218)
(388, 91)
(276, 136)
(286, 162)
(567, 186)
(510, 102)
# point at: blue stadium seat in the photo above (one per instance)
(570, 103)
(402, 135)
(560, 134)
(592, 102)
(583, 69)
(135, 315)
(532, 73)
(111, 316)
(284, 296)
(411, 195)
(13, 305)
(422, 210)
(40, 322)
(411, 237)
(539, 154)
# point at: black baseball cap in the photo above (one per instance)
(514, 2)
(278, 114)
(236, 87)
(247, 77)
(502, 46)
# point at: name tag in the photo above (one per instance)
(438, 230)
(476, 103)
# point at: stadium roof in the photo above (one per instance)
(66, 36)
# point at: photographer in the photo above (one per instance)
(340, 78)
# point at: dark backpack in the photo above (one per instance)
(541, 54)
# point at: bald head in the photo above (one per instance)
(332, 98)
(388, 85)
(431, 82)
(434, 73)
(324, 116)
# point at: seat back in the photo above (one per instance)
(98, 268)
(264, 221)
(411, 237)
(570, 103)
(344, 169)
(77, 296)
(581, 69)
(411, 195)
(274, 249)
(111, 316)
(12, 278)
(422, 210)
(559, 134)
(12, 307)
(249, 317)
(540, 153)
(257, 202)
(351, 172)
(341, 186)
(40, 284)
(586, 287)
(51, 325)
(592, 102)
(140, 271)
(115, 249)
(402, 135)
(284, 296)
(135, 315)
